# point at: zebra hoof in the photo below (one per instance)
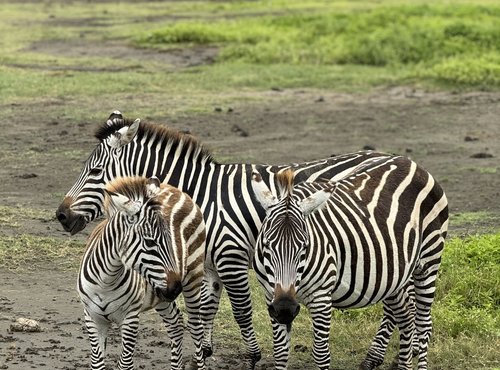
(207, 352)
(253, 358)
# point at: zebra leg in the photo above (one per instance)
(281, 344)
(210, 297)
(194, 325)
(425, 288)
(128, 329)
(235, 280)
(400, 307)
(376, 353)
(97, 335)
(378, 348)
(321, 314)
(172, 318)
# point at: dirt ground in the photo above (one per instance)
(454, 135)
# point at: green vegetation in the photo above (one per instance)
(457, 44)
(28, 252)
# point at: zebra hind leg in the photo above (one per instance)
(172, 317)
(425, 287)
(210, 297)
(376, 353)
(400, 306)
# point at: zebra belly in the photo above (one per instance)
(361, 291)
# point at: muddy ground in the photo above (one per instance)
(454, 135)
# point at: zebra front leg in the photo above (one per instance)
(128, 329)
(235, 280)
(172, 317)
(192, 300)
(321, 314)
(97, 334)
(281, 344)
(210, 297)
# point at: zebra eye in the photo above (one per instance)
(96, 171)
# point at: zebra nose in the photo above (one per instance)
(171, 292)
(284, 310)
(70, 220)
(61, 215)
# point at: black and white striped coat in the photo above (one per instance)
(352, 243)
(149, 250)
(222, 191)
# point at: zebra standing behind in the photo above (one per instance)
(352, 243)
(149, 249)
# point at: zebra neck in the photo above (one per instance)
(106, 255)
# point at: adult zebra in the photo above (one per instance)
(223, 192)
(150, 248)
(381, 230)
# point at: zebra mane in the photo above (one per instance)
(177, 138)
(285, 182)
(134, 188)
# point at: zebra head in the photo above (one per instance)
(145, 243)
(83, 203)
(283, 242)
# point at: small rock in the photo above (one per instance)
(26, 325)
(27, 175)
(274, 88)
(482, 155)
(368, 147)
(470, 138)
(230, 110)
(320, 100)
(217, 109)
(239, 131)
(409, 150)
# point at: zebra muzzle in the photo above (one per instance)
(71, 221)
(170, 293)
(284, 310)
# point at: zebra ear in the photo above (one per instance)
(315, 201)
(262, 192)
(153, 186)
(123, 204)
(115, 115)
(124, 135)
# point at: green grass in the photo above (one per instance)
(457, 45)
(28, 252)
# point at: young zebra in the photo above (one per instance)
(222, 191)
(352, 243)
(149, 249)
